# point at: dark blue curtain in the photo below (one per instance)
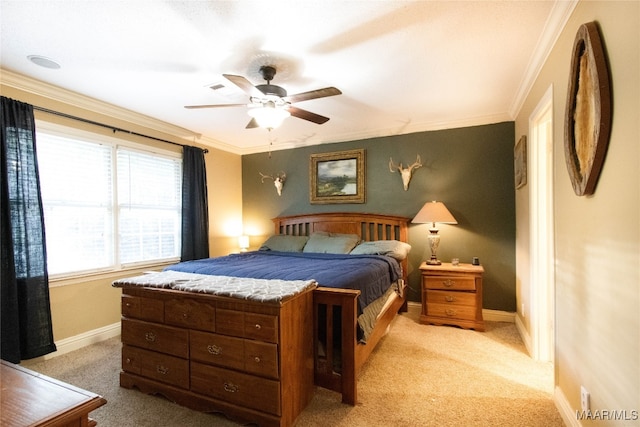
(195, 213)
(25, 311)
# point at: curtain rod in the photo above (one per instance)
(113, 128)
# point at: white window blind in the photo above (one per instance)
(107, 206)
(77, 196)
(149, 206)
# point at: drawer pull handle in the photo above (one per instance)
(185, 315)
(449, 298)
(214, 349)
(128, 304)
(162, 370)
(257, 359)
(448, 283)
(450, 312)
(150, 336)
(230, 387)
(258, 327)
(128, 361)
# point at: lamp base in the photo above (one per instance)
(433, 261)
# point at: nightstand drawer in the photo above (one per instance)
(460, 312)
(454, 283)
(452, 298)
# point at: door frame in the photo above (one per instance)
(542, 256)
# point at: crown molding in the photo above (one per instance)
(560, 13)
(37, 87)
(55, 93)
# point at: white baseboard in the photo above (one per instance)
(524, 334)
(76, 342)
(567, 413)
(498, 315)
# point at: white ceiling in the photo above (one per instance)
(402, 66)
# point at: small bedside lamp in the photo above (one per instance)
(243, 242)
(433, 212)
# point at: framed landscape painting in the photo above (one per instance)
(337, 177)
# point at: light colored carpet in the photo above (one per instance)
(420, 375)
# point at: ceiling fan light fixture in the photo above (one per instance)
(269, 116)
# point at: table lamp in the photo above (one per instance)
(243, 242)
(434, 212)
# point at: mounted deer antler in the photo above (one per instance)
(278, 180)
(407, 172)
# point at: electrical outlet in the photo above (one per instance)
(585, 403)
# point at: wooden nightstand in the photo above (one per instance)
(452, 295)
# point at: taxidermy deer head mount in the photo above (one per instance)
(278, 180)
(407, 172)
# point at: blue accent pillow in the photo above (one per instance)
(331, 244)
(284, 243)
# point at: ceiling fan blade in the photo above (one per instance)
(191, 107)
(313, 94)
(244, 84)
(307, 115)
(253, 123)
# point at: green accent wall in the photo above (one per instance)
(469, 169)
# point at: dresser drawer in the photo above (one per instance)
(448, 297)
(456, 283)
(190, 313)
(237, 388)
(165, 339)
(217, 349)
(261, 327)
(160, 367)
(143, 308)
(255, 326)
(463, 312)
(261, 358)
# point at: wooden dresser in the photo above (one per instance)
(452, 295)
(251, 361)
(31, 399)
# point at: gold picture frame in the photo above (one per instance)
(520, 162)
(587, 123)
(337, 177)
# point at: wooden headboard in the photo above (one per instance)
(368, 226)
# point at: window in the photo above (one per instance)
(107, 205)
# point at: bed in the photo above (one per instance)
(339, 372)
(342, 339)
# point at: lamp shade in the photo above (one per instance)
(433, 212)
(243, 242)
(269, 116)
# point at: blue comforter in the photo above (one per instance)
(370, 274)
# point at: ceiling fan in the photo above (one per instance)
(269, 104)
